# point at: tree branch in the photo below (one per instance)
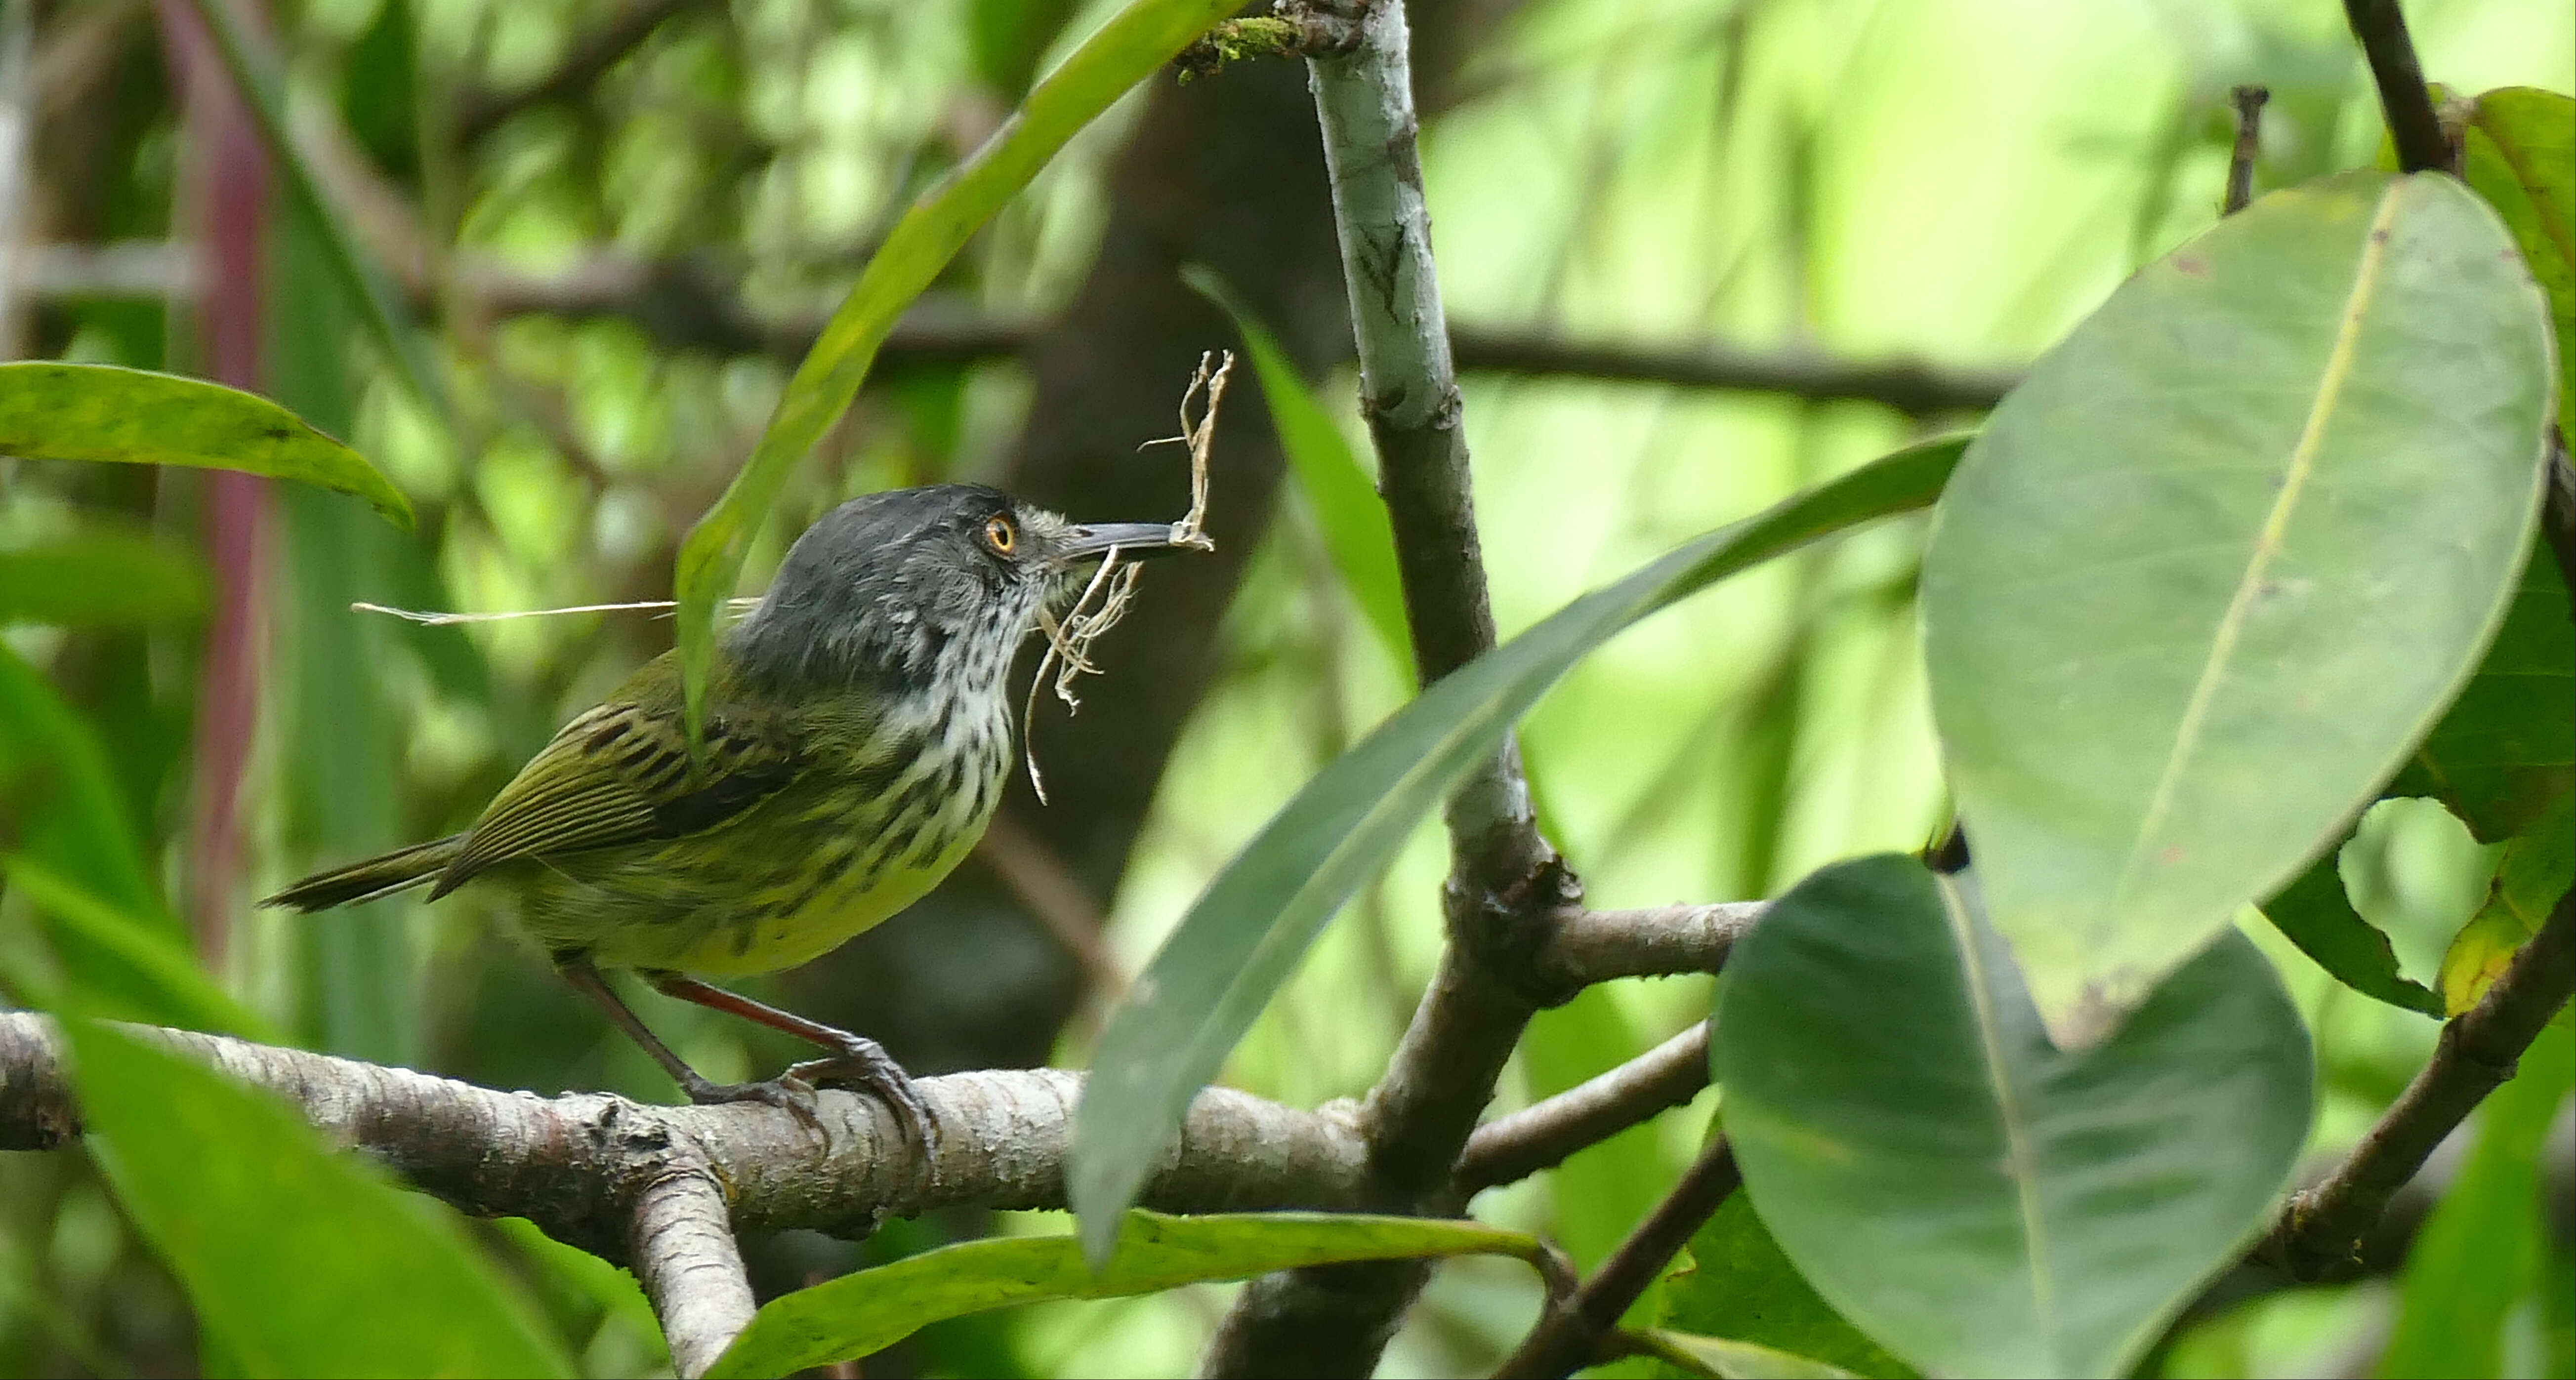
(657, 1186)
(1541, 1135)
(684, 305)
(1506, 885)
(2322, 1227)
(478, 113)
(690, 1268)
(1589, 946)
(1569, 1334)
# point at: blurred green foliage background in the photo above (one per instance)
(618, 222)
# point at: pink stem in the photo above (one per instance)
(230, 183)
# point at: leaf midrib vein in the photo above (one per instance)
(2267, 543)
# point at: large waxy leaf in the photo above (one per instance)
(1245, 933)
(869, 1310)
(2506, 747)
(55, 411)
(297, 1260)
(1132, 46)
(99, 578)
(1976, 1199)
(1354, 524)
(2208, 575)
(2519, 151)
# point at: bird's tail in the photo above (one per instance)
(382, 875)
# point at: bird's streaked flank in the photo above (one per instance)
(857, 735)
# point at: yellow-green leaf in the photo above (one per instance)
(50, 410)
(869, 1310)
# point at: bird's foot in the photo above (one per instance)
(862, 1065)
(787, 1092)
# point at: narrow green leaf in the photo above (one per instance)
(1978, 1200)
(1722, 1358)
(120, 965)
(1738, 1284)
(2480, 1252)
(262, 87)
(55, 411)
(869, 1310)
(2537, 867)
(2210, 573)
(299, 1261)
(2506, 747)
(1337, 488)
(59, 798)
(2519, 152)
(1132, 46)
(1245, 933)
(103, 578)
(2315, 914)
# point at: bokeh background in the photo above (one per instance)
(1665, 228)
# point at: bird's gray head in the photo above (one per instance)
(920, 589)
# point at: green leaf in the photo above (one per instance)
(1739, 1285)
(1979, 1201)
(2535, 870)
(2506, 747)
(262, 87)
(2210, 573)
(1245, 933)
(869, 1310)
(298, 1260)
(55, 411)
(1347, 511)
(2480, 1252)
(2519, 152)
(104, 578)
(1132, 46)
(1722, 1358)
(59, 801)
(2315, 914)
(121, 965)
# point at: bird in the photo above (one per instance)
(856, 739)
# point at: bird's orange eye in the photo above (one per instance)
(1000, 534)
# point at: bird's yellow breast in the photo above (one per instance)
(781, 884)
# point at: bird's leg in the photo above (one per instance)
(855, 1061)
(795, 1099)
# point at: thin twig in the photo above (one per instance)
(2248, 101)
(1062, 904)
(1569, 1336)
(2417, 131)
(1543, 1134)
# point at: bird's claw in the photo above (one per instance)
(788, 1092)
(864, 1066)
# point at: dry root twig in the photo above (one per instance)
(1106, 599)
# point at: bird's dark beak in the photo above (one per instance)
(1133, 539)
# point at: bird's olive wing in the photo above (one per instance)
(620, 774)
